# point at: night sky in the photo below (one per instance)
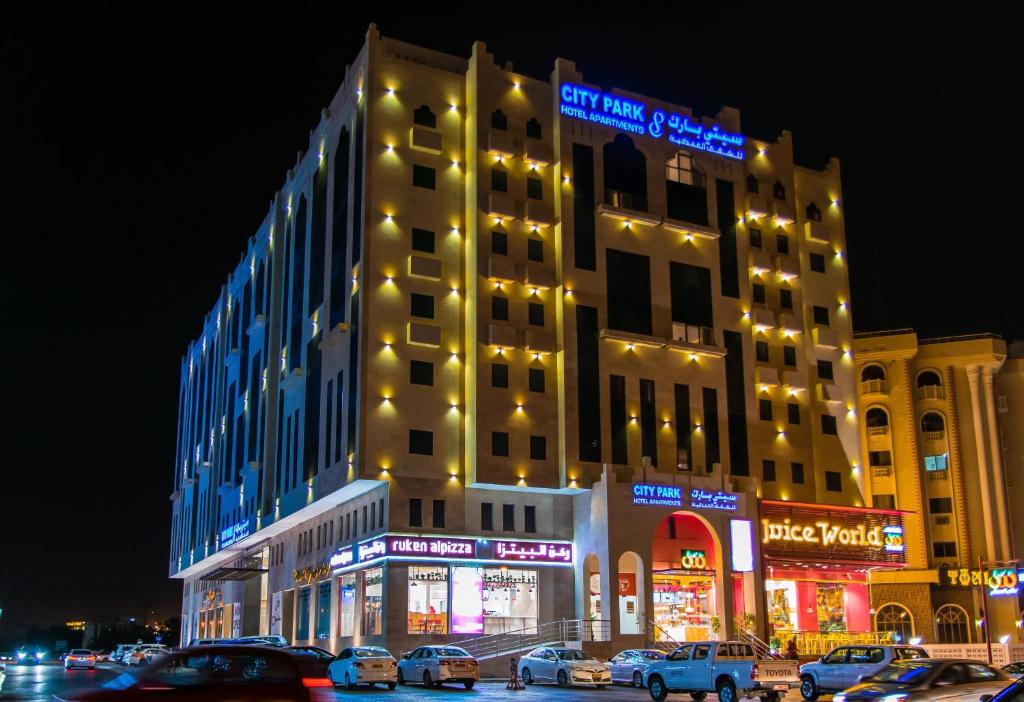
(142, 145)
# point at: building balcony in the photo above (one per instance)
(424, 267)
(830, 393)
(765, 376)
(794, 381)
(502, 336)
(627, 215)
(874, 387)
(420, 334)
(501, 206)
(817, 232)
(760, 262)
(688, 229)
(695, 340)
(425, 139)
(756, 207)
(500, 143)
(501, 269)
(783, 213)
(693, 348)
(931, 392)
(939, 475)
(877, 432)
(539, 342)
(881, 471)
(790, 323)
(762, 319)
(538, 214)
(537, 275)
(787, 267)
(825, 338)
(935, 436)
(537, 152)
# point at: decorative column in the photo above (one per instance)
(999, 483)
(979, 441)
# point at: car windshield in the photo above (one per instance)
(450, 651)
(904, 672)
(373, 652)
(653, 655)
(571, 654)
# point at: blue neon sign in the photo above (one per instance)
(579, 102)
(233, 534)
(657, 495)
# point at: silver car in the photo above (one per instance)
(928, 680)
(436, 665)
(565, 666)
(846, 665)
(629, 666)
(1015, 670)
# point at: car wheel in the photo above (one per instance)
(638, 679)
(348, 683)
(726, 691)
(391, 685)
(656, 686)
(427, 680)
(808, 688)
(401, 677)
(698, 695)
(527, 676)
(469, 684)
(563, 679)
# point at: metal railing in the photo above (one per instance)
(878, 385)
(660, 639)
(561, 631)
(761, 649)
(878, 431)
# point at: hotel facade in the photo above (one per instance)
(509, 350)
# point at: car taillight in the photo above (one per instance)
(444, 662)
(91, 658)
(317, 682)
(358, 664)
(753, 671)
(394, 664)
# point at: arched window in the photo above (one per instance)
(625, 175)
(876, 417)
(872, 372)
(813, 213)
(927, 379)
(424, 117)
(533, 130)
(686, 189)
(896, 619)
(952, 624)
(499, 121)
(753, 187)
(932, 422)
(779, 190)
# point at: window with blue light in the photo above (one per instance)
(936, 462)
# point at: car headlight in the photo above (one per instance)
(39, 655)
(839, 697)
(895, 697)
(21, 655)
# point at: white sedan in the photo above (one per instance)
(436, 665)
(565, 666)
(363, 664)
(80, 658)
(142, 655)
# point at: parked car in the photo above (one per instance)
(1015, 670)
(629, 666)
(313, 660)
(436, 665)
(727, 668)
(145, 653)
(1014, 692)
(846, 665)
(564, 666)
(80, 658)
(364, 664)
(213, 674)
(117, 655)
(927, 679)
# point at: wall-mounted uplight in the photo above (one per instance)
(389, 217)
(516, 84)
(389, 147)
(389, 91)
(455, 231)
(632, 419)
(567, 180)
(536, 356)
(629, 347)
(533, 291)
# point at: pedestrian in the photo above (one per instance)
(513, 680)
(791, 652)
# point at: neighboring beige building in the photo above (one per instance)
(937, 436)
(1010, 406)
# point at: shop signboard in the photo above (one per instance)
(535, 551)
(234, 534)
(342, 558)
(627, 584)
(310, 574)
(1003, 581)
(275, 613)
(842, 534)
(706, 499)
(692, 559)
(657, 495)
(425, 547)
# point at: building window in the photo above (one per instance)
(753, 187)
(422, 240)
(876, 417)
(785, 298)
(789, 356)
(937, 462)
(438, 514)
(373, 601)
(685, 189)
(499, 375)
(534, 189)
(535, 250)
(499, 443)
(755, 238)
(881, 501)
(530, 521)
(625, 175)
(499, 120)
(533, 130)
(499, 243)
(421, 442)
(825, 370)
(879, 458)
(428, 600)
(536, 314)
(499, 307)
(536, 380)
(323, 610)
(758, 294)
(872, 372)
(895, 618)
(421, 306)
(628, 279)
(302, 620)
(782, 243)
(813, 213)
(424, 117)
(761, 351)
(415, 512)
(421, 373)
(499, 180)
(347, 605)
(487, 516)
(508, 517)
(538, 448)
(793, 412)
(952, 624)
(944, 549)
(833, 481)
(798, 473)
(828, 425)
(940, 505)
(933, 423)
(779, 191)
(817, 263)
(764, 408)
(820, 315)
(928, 379)
(768, 470)
(423, 177)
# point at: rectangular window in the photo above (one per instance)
(499, 443)
(536, 380)
(686, 192)
(422, 240)
(535, 250)
(817, 263)
(883, 501)
(487, 516)
(793, 412)
(712, 450)
(421, 306)
(536, 312)
(944, 549)
(761, 352)
(366, 520)
(828, 425)
(833, 481)
(768, 470)
(728, 265)
(380, 513)
(782, 243)
(421, 442)
(302, 619)
(789, 356)
(499, 180)
(825, 370)
(373, 601)
(347, 605)
(530, 522)
(617, 405)
(588, 392)
(936, 462)
(508, 517)
(758, 293)
(583, 208)
(323, 610)
(735, 397)
(438, 514)
(421, 373)
(940, 505)
(534, 189)
(820, 315)
(683, 427)
(423, 177)
(499, 243)
(798, 473)
(691, 294)
(764, 410)
(538, 448)
(629, 291)
(785, 298)
(879, 458)
(428, 600)
(648, 422)
(499, 307)
(499, 375)
(755, 238)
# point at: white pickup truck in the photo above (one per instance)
(727, 668)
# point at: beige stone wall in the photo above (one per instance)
(915, 597)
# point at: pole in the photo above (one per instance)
(984, 611)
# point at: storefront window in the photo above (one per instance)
(831, 606)
(428, 600)
(509, 599)
(347, 605)
(781, 605)
(323, 610)
(373, 601)
(684, 605)
(302, 620)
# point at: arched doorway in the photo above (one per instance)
(592, 587)
(895, 618)
(688, 597)
(952, 624)
(631, 593)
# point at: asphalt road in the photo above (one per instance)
(41, 682)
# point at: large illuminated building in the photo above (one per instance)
(507, 350)
(941, 430)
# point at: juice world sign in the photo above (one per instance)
(635, 117)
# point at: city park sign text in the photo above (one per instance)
(579, 102)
